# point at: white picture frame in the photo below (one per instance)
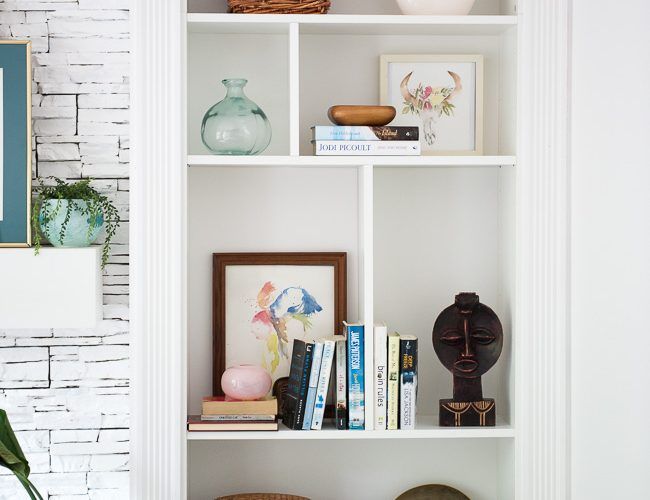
(445, 99)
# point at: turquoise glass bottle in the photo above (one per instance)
(236, 125)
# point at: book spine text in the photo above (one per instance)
(380, 334)
(356, 386)
(393, 382)
(323, 384)
(367, 148)
(341, 385)
(358, 133)
(313, 385)
(408, 381)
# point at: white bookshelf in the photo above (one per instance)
(345, 24)
(417, 230)
(351, 161)
(426, 428)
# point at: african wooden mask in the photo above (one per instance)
(468, 338)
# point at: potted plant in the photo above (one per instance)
(13, 458)
(72, 215)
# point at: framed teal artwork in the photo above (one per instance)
(15, 143)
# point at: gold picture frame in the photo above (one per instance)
(27, 240)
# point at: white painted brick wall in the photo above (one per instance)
(66, 391)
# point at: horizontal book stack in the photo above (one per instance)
(365, 141)
(219, 414)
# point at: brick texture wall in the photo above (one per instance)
(66, 391)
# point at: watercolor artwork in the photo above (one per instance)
(267, 307)
(440, 94)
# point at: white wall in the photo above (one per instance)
(67, 391)
(611, 250)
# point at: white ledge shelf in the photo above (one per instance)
(338, 24)
(59, 288)
(426, 429)
(351, 161)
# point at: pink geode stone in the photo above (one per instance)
(246, 382)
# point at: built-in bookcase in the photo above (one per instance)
(417, 230)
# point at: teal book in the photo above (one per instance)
(356, 382)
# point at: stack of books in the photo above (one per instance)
(366, 141)
(219, 414)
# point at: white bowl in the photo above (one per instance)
(436, 7)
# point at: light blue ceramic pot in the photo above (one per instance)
(78, 231)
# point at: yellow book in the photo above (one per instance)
(219, 406)
(393, 381)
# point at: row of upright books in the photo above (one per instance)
(314, 363)
(365, 141)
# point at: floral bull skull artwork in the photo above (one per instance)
(430, 103)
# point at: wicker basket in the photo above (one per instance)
(279, 6)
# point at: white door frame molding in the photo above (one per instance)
(542, 315)
(157, 240)
(158, 225)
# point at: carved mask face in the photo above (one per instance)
(468, 337)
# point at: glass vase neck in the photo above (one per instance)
(235, 86)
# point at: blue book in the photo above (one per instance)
(356, 386)
(361, 133)
(313, 385)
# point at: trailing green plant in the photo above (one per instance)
(97, 207)
(13, 458)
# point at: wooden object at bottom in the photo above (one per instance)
(467, 414)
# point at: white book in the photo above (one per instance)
(323, 383)
(313, 385)
(367, 148)
(381, 372)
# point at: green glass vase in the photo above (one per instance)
(236, 125)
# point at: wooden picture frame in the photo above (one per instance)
(15, 143)
(249, 272)
(432, 125)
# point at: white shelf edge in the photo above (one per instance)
(351, 161)
(334, 19)
(427, 430)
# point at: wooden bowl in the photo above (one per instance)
(370, 116)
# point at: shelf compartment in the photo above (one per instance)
(339, 24)
(351, 161)
(363, 469)
(426, 429)
(355, 79)
(262, 59)
(437, 233)
(256, 209)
